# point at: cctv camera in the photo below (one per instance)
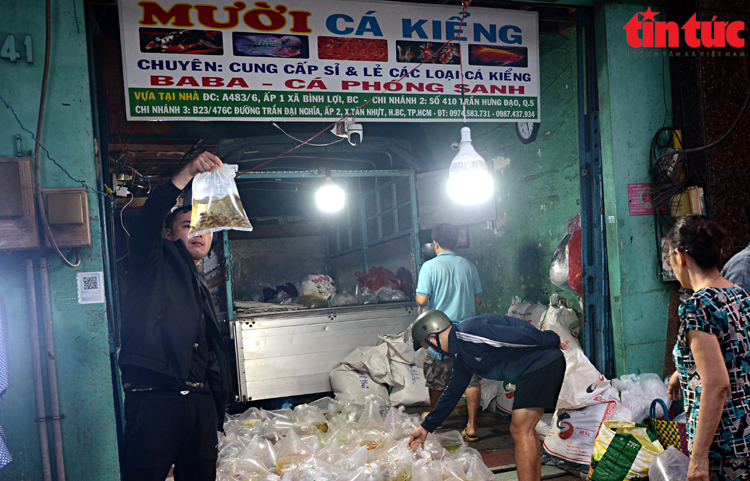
(354, 133)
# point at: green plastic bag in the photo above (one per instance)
(623, 450)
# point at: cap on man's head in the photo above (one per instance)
(429, 322)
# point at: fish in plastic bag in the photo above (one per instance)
(216, 202)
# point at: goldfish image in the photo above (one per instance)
(494, 56)
(405, 55)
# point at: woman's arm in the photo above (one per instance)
(709, 361)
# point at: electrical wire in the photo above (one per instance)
(37, 181)
(132, 198)
(717, 141)
(465, 4)
(300, 140)
(38, 145)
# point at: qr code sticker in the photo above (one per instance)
(90, 283)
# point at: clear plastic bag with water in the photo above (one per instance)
(216, 202)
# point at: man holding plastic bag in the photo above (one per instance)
(502, 348)
(173, 360)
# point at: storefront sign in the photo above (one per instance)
(321, 59)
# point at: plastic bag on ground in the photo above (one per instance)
(637, 393)
(251, 416)
(669, 465)
(262, 450)
(216, 202)
(308, 414)
(371, 418)
(343, 299)
(315, 469)
(364, 473)
(327, 405)
(452, 441)
(478, 471)
(353, 460)
(413, 391)
(292, 451)
(389, 294)
(249, 469)
(427, 470)
(453, 469)
(365, 295)
(332, 452)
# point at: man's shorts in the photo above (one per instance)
(438, 373)
(541, 388)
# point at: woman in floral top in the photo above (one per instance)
(712, 354)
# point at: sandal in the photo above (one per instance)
(471, 439)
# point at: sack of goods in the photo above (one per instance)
(335, 440)
(570, 440)
(216, 202)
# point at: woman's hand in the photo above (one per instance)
(673, 390)
(564, 345)
(698, 468)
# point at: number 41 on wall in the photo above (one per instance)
(8, 50)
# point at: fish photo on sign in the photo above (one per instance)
(269, 45)
(498, 56)
(193, 42)
(417, 52)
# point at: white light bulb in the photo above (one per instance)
(330, 197)
(468, 180)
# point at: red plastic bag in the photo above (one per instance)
(377, 278)
(566, 270)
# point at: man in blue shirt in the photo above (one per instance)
(449, 283)
(501, 348)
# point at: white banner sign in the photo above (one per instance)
(321, 59)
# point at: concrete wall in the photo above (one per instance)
(537, 186)
(80, 331)
(633, 106)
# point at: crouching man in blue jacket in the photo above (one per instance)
(502, 348)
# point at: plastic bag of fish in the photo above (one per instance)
(216, 202)
(336, 440)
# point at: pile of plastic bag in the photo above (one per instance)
(337, 440)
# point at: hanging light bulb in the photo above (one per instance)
(468, 180)
(330, 197)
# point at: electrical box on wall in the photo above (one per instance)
(18, 226)
(68, 217)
